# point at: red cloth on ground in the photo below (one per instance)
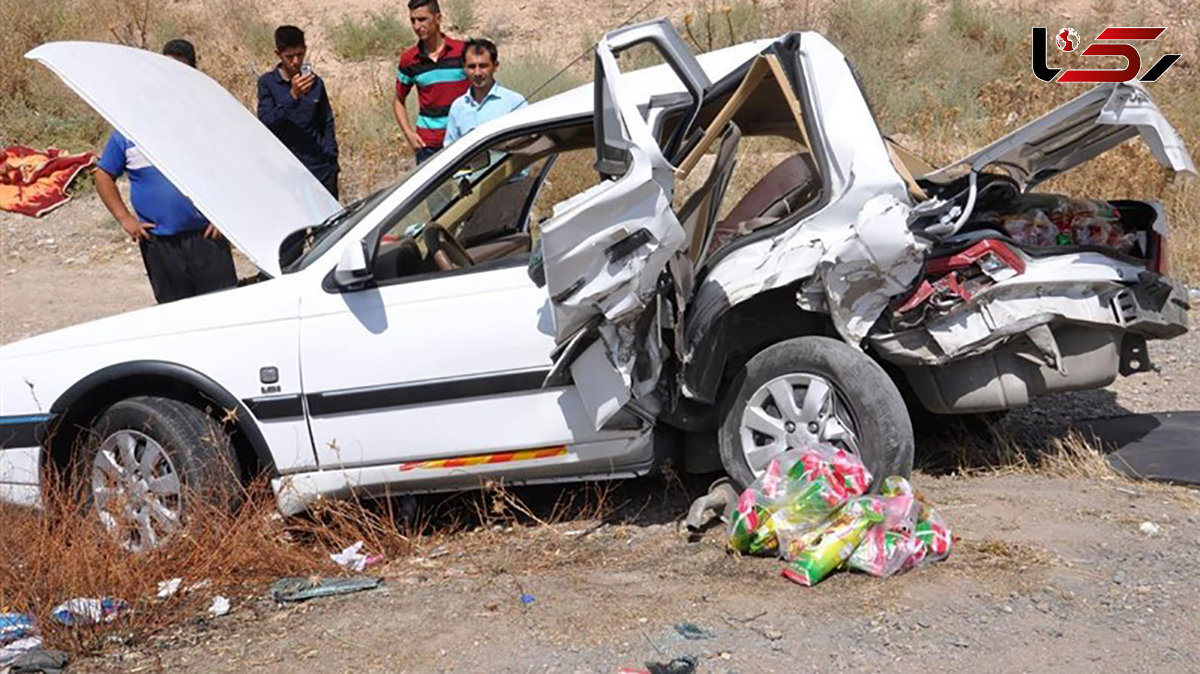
(34, 183)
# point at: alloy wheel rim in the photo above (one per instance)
(795, 410)
(136, 490)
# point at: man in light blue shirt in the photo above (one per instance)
(486, 99)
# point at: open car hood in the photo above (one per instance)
(1075, 132)
(213, 149)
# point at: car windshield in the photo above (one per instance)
(328, 233)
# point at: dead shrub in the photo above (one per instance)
(64, 552)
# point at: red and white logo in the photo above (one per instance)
(1067, 39)
(1112, 41)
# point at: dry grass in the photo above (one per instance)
(64, 552)
(996, 451)
(962, 79)
(376, 35)
(1006, 554)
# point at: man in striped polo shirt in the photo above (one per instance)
(435, 66)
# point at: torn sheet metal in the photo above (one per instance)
(877, 260)
(1077, 131)
(604, 253)
(860, 231)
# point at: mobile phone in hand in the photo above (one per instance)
(306, 70)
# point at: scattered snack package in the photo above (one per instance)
(811, 508)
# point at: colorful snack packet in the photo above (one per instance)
(935, 537)
(827, 550)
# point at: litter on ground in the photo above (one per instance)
(220, 606)
(692, 631)
(167, 588)
(811, 508)
(289, 590)
(79, 612)
(353, 559)
(15, 626)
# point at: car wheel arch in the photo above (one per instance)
(729, 341)
(83, 401)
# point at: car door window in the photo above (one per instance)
(479, 212)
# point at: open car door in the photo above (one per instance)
(605, 252)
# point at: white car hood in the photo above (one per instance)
(213, 149)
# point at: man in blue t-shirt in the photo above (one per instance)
(184, 254)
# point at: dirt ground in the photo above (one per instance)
(1050, 573)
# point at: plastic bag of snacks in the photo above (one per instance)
(800, 490)
(816, 554)
(1032, 228)
(810, 508)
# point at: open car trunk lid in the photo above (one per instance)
(1073, 133)
(205, 141)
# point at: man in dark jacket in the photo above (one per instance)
(294, 105)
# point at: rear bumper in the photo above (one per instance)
(999, 353)
(1156, 307)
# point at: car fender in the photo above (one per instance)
(88, 394)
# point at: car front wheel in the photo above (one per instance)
(808, 390)
(150, 462)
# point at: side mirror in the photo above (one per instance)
(353, 271)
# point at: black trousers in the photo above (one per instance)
(331, 184)
(185, 265)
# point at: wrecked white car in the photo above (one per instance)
(722, 248)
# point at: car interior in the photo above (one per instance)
(750, 147)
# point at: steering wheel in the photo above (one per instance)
(446, 251)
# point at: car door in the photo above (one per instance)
(606, 250)
(441, 365)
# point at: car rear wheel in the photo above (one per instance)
(150, 463)
(808, 390)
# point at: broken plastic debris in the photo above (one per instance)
(693, 632)
(37, 659)
(16, 626)
(220, 606)
(288, 590)
(86, 611)
(527, 599)
(9, 652)
(1149, 528)
(166, 588)
(810, 507)
(353, 559)
(681, 665)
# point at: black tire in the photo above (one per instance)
(882, 426)
(198, 449)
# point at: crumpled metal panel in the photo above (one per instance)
(605, 251)
(1077, 131)
(878, 258)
